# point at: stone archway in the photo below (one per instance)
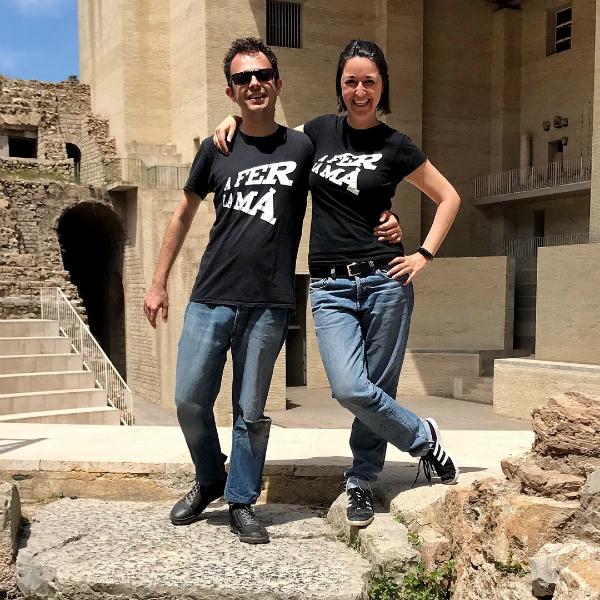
(91, 242)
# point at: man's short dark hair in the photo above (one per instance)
(248, 45)
(374, 53)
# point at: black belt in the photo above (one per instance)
(355, 269)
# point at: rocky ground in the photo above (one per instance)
(531, 531)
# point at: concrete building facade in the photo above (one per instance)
(500, 96)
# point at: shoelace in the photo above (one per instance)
(426, 462)
(361, 497)
(191, 495)
(246, 515)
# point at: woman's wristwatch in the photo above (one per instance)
(424, 252)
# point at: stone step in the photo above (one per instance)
(34, 345)
(42, 382)
(131, 550)
(95, 415)
(11, 328)
(50, 401)
(39, 363)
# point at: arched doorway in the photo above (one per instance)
(75, 153)
(90, 236)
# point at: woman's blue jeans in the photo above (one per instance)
(255, 336)
(362, 328)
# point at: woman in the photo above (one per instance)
(361, 288)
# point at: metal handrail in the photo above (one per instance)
(553, 174)
(526, 248)
(57, 307)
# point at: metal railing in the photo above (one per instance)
(134, 171)
(529, 247)
(534, 178)
(56, 307)
(167, 177)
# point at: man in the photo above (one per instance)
(244, 290)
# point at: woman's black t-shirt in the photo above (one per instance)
(352, 182)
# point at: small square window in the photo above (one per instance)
(22, 147)
(284, 24)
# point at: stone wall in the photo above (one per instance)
(30, 256)
(568, 313)
(61, 113)
(30, 168)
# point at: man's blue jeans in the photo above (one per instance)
(255, 336)
(362, 328)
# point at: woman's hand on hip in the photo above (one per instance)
(410, 265)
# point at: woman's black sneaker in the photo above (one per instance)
(190, 507)
(438, 459)
(359, 511)
(243, 522)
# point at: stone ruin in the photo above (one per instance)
(51, 145)
(536, 534)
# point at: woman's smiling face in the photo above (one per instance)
(361, 91)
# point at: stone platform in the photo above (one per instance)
(92, 549)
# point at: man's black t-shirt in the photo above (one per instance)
(352, 182)
(260, 199)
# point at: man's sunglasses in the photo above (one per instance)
(245, 77)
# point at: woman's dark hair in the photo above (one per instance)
(373, 52)
(249, 45)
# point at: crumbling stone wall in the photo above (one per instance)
(62, 113)
(31, 169)
(30, 256)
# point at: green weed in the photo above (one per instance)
(414, 540)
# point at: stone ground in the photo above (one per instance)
(84, 549)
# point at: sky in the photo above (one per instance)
(38, 39)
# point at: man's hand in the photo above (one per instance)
(410, 265)
(155, 299)
(388, 229)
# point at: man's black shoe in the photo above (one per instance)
(190, 507)
(244, 523)
(359, 511)
(438, 459)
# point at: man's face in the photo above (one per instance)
(253, 96)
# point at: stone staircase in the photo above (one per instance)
(41, 381)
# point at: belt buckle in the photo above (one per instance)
(349, 269)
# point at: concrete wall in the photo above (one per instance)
(569, 214)
(595, 196)
(559, 84)
(522, 385)
(568, 311)
(457, 55)
(125, 59)
(463, 304)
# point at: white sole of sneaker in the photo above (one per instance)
(359, 523)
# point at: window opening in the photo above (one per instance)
(22, 147)
(74, 153)
(284, 24)
(561, 30)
